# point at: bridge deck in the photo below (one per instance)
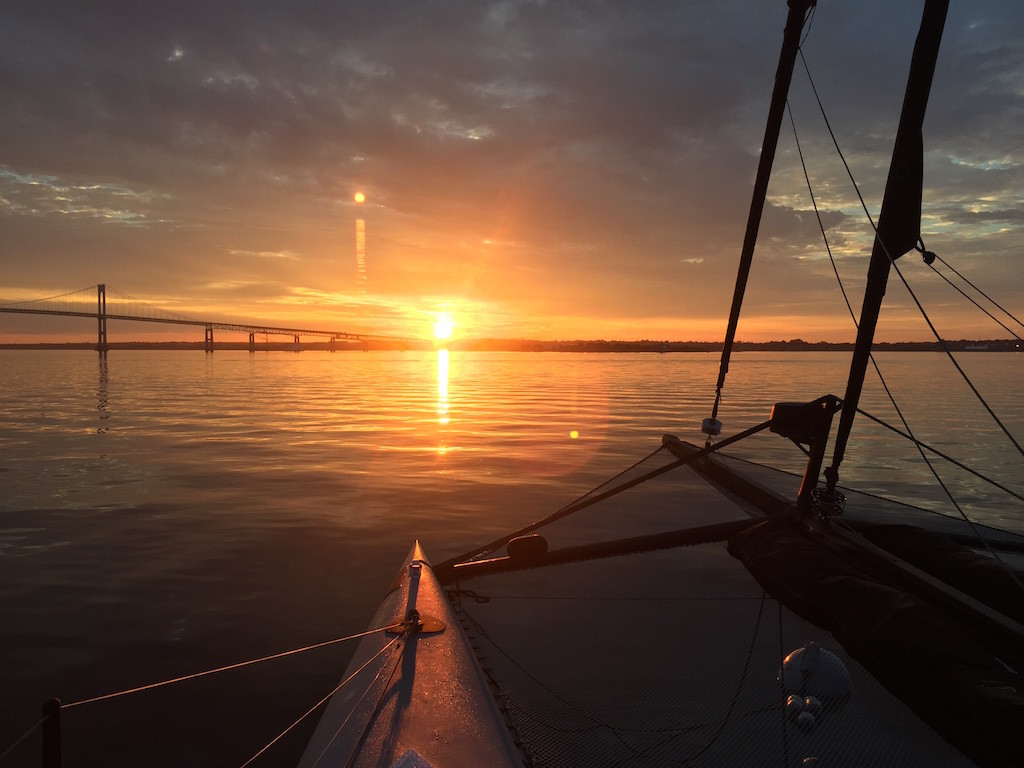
(79, 303)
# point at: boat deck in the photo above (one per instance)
(866, 507)
(668, 657)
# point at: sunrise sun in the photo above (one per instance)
(444, 326)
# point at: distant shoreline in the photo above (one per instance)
(520, 345)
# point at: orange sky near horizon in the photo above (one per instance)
(556, 175)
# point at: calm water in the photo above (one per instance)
(167, 512)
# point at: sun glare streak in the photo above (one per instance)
(442, 387)
(361, 255)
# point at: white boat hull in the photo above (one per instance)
(422, 702)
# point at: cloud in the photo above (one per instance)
(40, 195)
(598, 157)
(263, 254)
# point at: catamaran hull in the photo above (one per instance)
(417, 696)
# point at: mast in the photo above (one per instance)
(783, 75)
(899, 222)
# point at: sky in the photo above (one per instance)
(548, 170)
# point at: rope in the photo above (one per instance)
(808, 23)
(909, 434)
(892, 261)
(984, 542)
(195, 675)
(835, 267)
(835, 142)
(817, 213)
(362, 695)
(961, 291)
(316, 706)
(996, 303)
(739, 685)
(970, 524)
(949, 354)
(610, 480)
(782, 691)
(442, 570)
(941, 455)
(24, 736)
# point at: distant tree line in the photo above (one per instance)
(580, 345)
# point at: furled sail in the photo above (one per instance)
(899, 223)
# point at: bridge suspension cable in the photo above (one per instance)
(81, 297)
(103, 303)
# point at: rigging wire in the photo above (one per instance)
(963, 293)
(24, 736)
(808, 22)
(975, 303)
(795, 20)
(842, 288)
(821, 224)
(835, 141)
(582, 502)
(407, 631)
(892, 261)
(1006, 568)
(949, 354)
(316, 706)
(588, 500)
(1002, 309)
(940, 454)
(237, 665)
(609, 481)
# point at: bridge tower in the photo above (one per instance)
(208, 341)
(101, 318)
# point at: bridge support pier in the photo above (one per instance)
(252, 342)
(101, 318)
(297, 348)
(208, 341)
(333, 343)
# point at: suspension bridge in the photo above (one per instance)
(102, 304)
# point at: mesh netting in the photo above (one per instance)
(667, 657)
